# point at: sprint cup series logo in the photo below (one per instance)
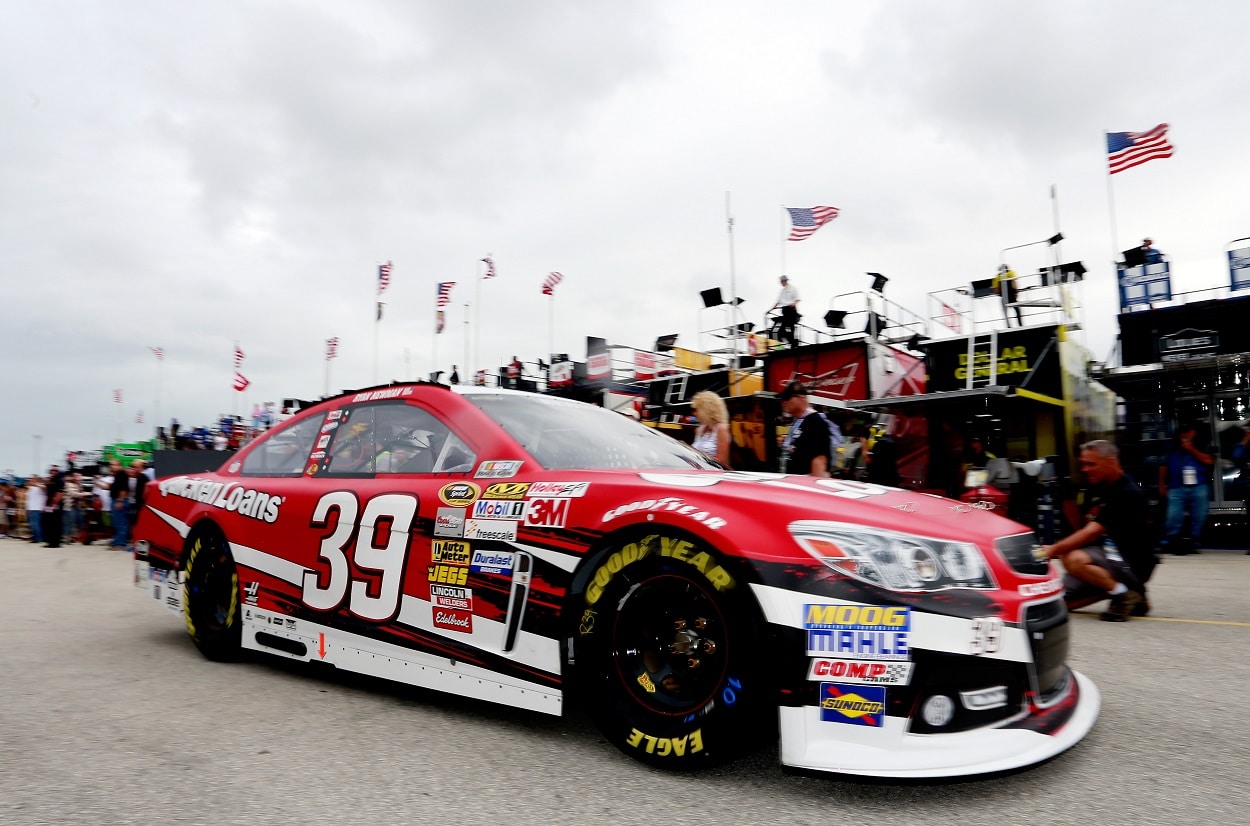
(229, 496)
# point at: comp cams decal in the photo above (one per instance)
(866, 672)
(229, 496)
(668, 504)
(867, 632)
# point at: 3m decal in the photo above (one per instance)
(449, 596)
(559, 488)
(492, 562)
(506, 490)
(378, 545)
(490, 529)
(459, 494)
(498, 509)
(229, 496)
(663, 546)
(498, 469)
(449, 553)
(667, 504)
(547, 513)
(449, 522)
(691, 743)
(851, 704)
(447, 574)
(453, 620)
(867, 672)
(987, 635)
(857, 617)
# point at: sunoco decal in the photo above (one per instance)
(229, 496)
(668, 504)
(459, 494)
(855, 705)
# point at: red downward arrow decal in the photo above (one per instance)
(321, 645)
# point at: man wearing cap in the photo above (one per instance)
(805, 449)
(1149, 253)
(788, 301)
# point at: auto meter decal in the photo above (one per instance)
(856, 705)
(868, 632)
(459, 494)
(449, 552)
(498, 469)
(229, 496)
(866, 672)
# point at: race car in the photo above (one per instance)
(534, 551)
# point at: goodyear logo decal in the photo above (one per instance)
(856, 618)
(854, 705)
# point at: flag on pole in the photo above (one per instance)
(332, 348)
(117, 396)
(158, 352)
(550, 282)
(240, 381)
(804, 221)
(444, 292)
(238, 357)
(1126, 150)
(139, 417)
(490, 267)
(439, 322)
(384, 277)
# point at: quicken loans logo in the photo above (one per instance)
(229, 496)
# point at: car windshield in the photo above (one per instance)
(569, 435)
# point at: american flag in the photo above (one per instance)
(1126, 150)
(240, 381)
(384, 277)
(158, 352)
(238, 357)
(117, 396)
(805, 221)
(444, 292)
(490, 267)
(549, 283)
(332, 348)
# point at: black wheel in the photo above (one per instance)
(668, 649)
(210, 596)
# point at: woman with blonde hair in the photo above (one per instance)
(712, 435)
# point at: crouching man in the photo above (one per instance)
(1111, 555)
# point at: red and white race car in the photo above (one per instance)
(529, 550)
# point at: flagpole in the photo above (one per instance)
(733, 291)
(1115, 243)
(551, 323)
(157, 412)
(477, 313)
(434, 346)
(327, 393)
(467, 354)
(377, 324)
(782, 237)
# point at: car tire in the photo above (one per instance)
(668, 654)
(210, 596)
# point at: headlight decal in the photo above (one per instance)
(893, 560)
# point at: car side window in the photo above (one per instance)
(396, 437)
(282, 452)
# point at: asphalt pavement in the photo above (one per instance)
(108, 715)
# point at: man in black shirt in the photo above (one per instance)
(1104, 556)
(52, 510)
(806, 446)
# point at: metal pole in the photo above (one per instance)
(733, 290)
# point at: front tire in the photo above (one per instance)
(669, 653)
(210, 597)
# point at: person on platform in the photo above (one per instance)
(514, 373)
(806, 447)
(1183, 480)
(788, 302)
(1111, 555)
(1004, 285)
(711, 437)
(455, 374)
(1149, 253)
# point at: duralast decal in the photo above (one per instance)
(667, 504)
(229, 496)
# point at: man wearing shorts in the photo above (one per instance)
(1101, 556)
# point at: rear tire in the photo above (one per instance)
(210, 597)
(668, 655)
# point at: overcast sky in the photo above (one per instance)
(188, 175)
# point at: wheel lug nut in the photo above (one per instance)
(693, 662)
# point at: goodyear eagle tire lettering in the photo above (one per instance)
(210, 596)
(668, 646)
